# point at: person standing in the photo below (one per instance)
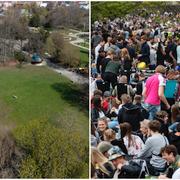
(153, 92)
(112, 71)
(145, 51)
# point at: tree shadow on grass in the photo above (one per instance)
(73, 94)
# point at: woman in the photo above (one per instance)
(133, 143)
(101, 127)
(115, 109)
(102, 167)
(97, 111)
(126, 62)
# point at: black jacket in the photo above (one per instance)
(175, 140)
(104, 63)
(145, 51)
(132, 114)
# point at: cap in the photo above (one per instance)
(115, 152)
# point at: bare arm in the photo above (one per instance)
(162, 97)
(144, 93)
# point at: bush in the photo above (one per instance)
(20, 57)
(51, 152)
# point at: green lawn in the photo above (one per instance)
(39, 93)
(84, 44)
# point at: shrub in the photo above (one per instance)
(19, 56)
(51, 152)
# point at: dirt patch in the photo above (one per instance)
(9, 63)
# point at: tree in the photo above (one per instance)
(55, 45)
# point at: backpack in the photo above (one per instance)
(170, 89)
(103, 86)
(122, 88)
(144, 169)
(134, 169)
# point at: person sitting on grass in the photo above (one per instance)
(101, 127)
(124, 168)
(174, 138)
(144, 134)
(169, 153)
(152, 148)
(103, 167)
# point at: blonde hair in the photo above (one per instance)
(125, 54)
(109, 135)
(160, 69)
(98, 159)
(110, 52)
(145, 123)
(126, 98)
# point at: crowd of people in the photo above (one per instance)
(135, 97)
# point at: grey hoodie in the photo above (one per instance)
(152, 149)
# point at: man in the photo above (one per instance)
(124, 168)
(130, 113)
(153, 92)
(173, 52)
(169, 153)
(98, 47)
(110, 56)
(108, 44)
(152, 148)
(145, 51)
(101, 56)
(96, 38)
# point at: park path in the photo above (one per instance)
(73, 76)
(77, 39)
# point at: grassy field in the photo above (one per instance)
(39, 93)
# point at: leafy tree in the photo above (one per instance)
(55, 45)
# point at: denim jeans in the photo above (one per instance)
(152, 109)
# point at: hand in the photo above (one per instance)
(168, 106)
(119, 166)
(162, 177)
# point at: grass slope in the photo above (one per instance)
(41, 94)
